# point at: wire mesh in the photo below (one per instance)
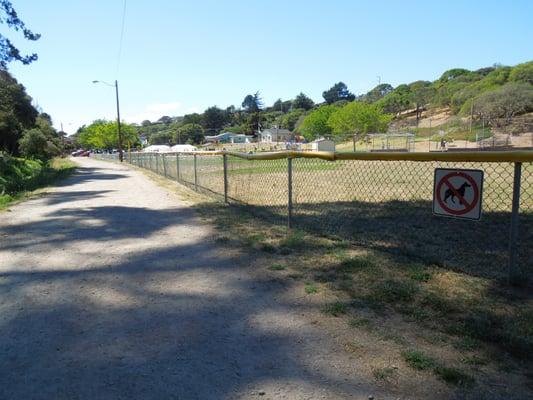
(386, 205)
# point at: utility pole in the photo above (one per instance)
(120, 153)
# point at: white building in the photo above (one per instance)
(275, 135)
(322, 145)
(159, 148)
(182, 148)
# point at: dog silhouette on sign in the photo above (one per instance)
(449, 193)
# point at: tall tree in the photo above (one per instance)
(316, 123)
(16, 112)
(302, 101)
(8, 51)
(214, 119)
(359, 118)
(252, 103)
(338, 92)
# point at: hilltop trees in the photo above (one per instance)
(8, 51)
(302, 101)
(506, 102)
(316, 123)
(338, 92)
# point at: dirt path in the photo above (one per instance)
(112, 288)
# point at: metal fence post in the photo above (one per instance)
(163, 157)
(225, 161)
(514, 271)
(178, 166)
(195, 175)
(289, 202)
(156, 163)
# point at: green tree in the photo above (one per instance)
(252, 103)
(102, 134)
(505, 102)
(214, 119)
(163, 137)
(359, 118)
(302, 101)
(190, 133)
(316, 123)
(522, 73)
(291, 119)
(8, 51)
(16, 112)
(378, 93)
(338, 92)
(41, 142)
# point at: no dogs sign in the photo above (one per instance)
(457, 193)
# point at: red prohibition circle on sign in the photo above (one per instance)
(444, 180)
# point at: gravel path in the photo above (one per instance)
(111, 288)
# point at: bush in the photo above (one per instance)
(35, 144)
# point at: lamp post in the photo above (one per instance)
(120, 153)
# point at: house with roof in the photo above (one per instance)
(275, 135)
(229, 137)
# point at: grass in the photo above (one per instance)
(311, 288)
(335, 309)
(383, 374)
(20, 177)
(408, 277)
(418, 360)
(277, 267)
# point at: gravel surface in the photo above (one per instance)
(113, 288)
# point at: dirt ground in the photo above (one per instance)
(113, 288)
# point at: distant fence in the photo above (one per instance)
(379, 200)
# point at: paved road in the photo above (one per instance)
(111, 288)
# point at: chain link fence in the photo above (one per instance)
(383, 203)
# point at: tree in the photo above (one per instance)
(41, 142)
(214, 119)
(522, 73)
(194, 118)
(291, 119)
(8, 51)
(252, 103)
(378, 93)
(146, 123)
(102, 134)
(316, 123)
(421, 92)
(190, 133)
(359, 118)
(505, 102)
(302, 101)
(338, 92)
(165, 119)
(164, 137)
(16, 112)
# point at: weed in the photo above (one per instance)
(360, 323)
(421, 275)
(358, 263)
(277, 267)
(267, 248)
(453, 376)
(418, 360)
(311, 288)
(392, 291)
(383, 374)
(336, 309)
(294, 240)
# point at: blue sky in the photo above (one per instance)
(183, 56)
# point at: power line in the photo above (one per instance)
(121, 37)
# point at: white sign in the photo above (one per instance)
(457, 193)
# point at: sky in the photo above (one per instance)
(179, 56)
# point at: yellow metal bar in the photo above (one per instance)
(472, 156)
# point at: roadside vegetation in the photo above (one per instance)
(469, 331)
(19, 176)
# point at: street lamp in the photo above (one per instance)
(120, 154)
